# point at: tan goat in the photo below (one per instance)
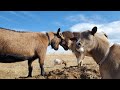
(19, 46)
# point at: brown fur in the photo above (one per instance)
(66, 43)
(19, 46)
(97, 46)
(69, 42)
(110, 68)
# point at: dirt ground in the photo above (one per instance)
(19, 70)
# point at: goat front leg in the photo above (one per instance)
(30, 68)
(80, 60)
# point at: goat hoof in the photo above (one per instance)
(79, 65)
(43, 74)
(29, 76)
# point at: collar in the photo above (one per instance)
(48, 39)
(106, 54)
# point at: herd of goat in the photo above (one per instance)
(16, 46)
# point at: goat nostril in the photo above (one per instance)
(79, 44)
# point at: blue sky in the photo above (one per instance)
(45, 21)
(52, 20)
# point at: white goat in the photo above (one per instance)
(59, 62)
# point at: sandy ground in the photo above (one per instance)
(19, 70)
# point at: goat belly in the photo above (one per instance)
(10, 58)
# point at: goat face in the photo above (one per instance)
(55, 42)
(64, 44)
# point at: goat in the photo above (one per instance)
(20, 46)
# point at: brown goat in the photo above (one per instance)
(19, 46)
(69, 40)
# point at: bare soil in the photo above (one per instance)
(19, 70)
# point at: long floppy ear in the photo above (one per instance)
(94, 30)
(58, 31)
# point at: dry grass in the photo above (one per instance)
(20, 69)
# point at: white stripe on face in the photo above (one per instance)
(81, 50)
(78, 40)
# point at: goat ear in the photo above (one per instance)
(59, 34)
(58, 31)
(94, 30)
(106, 35)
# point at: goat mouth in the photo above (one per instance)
(52, 46)
(55, 48)
(66, 49)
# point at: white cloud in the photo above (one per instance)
(77, 18)
(31, 16)
(83, 26)
(10, 20)
(57, 23)
(86, 19)
(16, 13)
(112, 29)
